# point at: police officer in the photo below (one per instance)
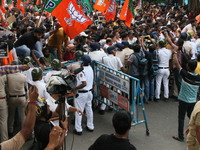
(83, 101)
(17, 96)
(164, 55)
(39, 83)
(27, 73)
(3, 110)
(56, 69)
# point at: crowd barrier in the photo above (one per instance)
(121, 92)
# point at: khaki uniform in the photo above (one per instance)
(192, 142)
(17, 97)
(3, 110)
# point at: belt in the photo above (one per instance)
(163, 67)
(84, 91)
(17, 95)
(1, 98)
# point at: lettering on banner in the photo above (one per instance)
(114, 80)
(50, 4)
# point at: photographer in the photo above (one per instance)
(43, 128)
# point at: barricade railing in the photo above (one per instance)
(122, 90)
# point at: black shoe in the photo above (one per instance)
(166, 99)
(88, 129)
(101, 112)
(156, 100)
(146, 102)
(77, 133)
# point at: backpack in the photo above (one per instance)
(142, 64)
(185, 57)
(154, 66)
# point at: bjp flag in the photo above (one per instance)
(111, 11)
(101, 5)
(127, 12)
(70, 16)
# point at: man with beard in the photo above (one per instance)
(25, 45)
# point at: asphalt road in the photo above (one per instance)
(162, 120)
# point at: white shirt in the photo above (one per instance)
(113, 62)
(41, 86)
(49, 74)
(194, 49)
(189, 27)
(28, 75)
(132, 41)
(89, 76)
(97, 55)
(198, 45)
(164, 55)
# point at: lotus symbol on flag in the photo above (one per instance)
(74, 15)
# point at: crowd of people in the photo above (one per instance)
(163, 41)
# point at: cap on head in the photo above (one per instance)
(162, 43)
(56, 64)
(78, 54)
(110, 49)
(119, 46)
(16, 62)
(36, 74)
(86, 60)
(94, 46)
(28, 59)
(183, 36)
(125, 43)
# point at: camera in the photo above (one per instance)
(63, 83)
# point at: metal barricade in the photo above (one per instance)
(122, 90)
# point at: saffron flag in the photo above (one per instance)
(111, 11)
(2, 6)
(127, 12)
(101, 5)
(20, 6)
(85, 4)
(70, 16)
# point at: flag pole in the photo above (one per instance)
(39, 22)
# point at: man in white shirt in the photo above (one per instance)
(83, 100)
(111, 60)
(56, 69)
(39, 83)
(164, 55)
(95, 52)
(191, 26)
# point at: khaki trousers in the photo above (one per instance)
(13, 103)
(3, 120)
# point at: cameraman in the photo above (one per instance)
(43, 128)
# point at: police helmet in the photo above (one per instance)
(78, 54)
(162, 43)
(189, 36)
(36, 74)
(16, 62)
(56, 64)
(28, 59)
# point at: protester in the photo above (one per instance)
(119, 140)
